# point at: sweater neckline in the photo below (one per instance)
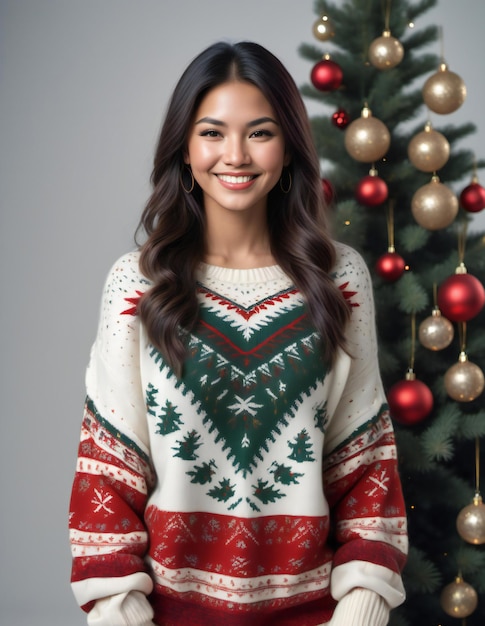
(240, 276)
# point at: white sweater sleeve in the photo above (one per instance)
(114, 473)
(361, 607)
(124, 609)
(361, 475)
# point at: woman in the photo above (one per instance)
(237, 463)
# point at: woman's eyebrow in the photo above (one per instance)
(263, 120)
(257, 122)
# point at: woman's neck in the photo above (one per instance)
(238, 241)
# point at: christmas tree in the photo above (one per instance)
(301, 448)
(390, 160)
(169, 419)
(186, 447)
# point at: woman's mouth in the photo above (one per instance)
(236, 182)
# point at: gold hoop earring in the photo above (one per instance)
(192, 180)
(290, 182)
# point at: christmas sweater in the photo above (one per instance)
(261, 486)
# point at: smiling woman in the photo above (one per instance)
(293, 231)
(236, 152)
(235, 419)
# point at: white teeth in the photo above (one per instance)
(235, 179)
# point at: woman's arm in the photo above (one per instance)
(361, 476)
(113, 474)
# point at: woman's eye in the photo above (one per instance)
(261, 133)
(209, 133)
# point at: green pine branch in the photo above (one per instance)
(420, 8)
(421, 576)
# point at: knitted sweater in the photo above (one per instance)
(260, 487)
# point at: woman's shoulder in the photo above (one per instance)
(127, 262)
(125, 272)
(124, 285)
(349, 264)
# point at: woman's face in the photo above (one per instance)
(235, 148)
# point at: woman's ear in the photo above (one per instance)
(287, 159)
(186, 158)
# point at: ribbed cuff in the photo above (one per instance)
(361, 607)
(124, 609)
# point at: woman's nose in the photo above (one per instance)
(236, 152)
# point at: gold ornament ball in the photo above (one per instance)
(459, 599)
(434, 205)
(444, 91)
(386, 52)
(470, 522)
(436, 332)
(429, 150)
(367, 139)
(464, 381)
(323, 28)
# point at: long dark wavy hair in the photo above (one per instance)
(174, 222)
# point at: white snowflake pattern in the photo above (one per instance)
(101, 500)
(379, 482)
(245, 406)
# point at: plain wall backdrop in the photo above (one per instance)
(83, 87)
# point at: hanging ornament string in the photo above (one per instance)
(470, 522)
(444, 91)
(462, 242)
(385, 52)
(410, 400)
(442, 44)
(366, 39)
(386, 9)
(461, 296)
(436, 332)
(390, 226)
(413, 341)
(477, 466)
(462, 336)
(390, 266)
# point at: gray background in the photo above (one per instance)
(83, 86)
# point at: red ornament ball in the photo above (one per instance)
(327, 75)
(472, 198)
(341, 119)
(461, 297)
(328, 192)
(410, 401)
(371, 190)
(390, 266)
